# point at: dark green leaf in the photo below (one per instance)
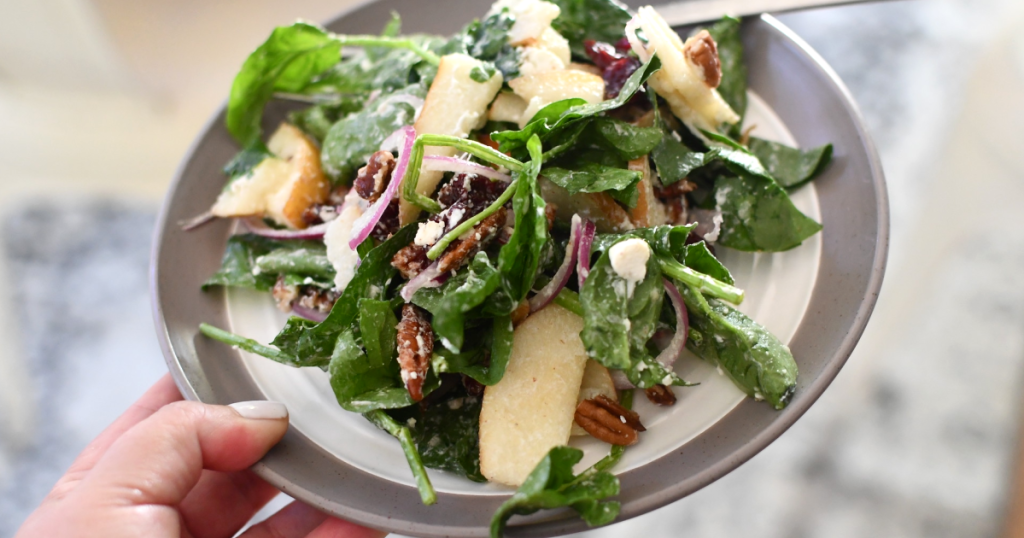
(628, 140)
(317, 120)
(485, 363)
(673, 160)
(238, 265)
(450, 302)
(600, 20)
(733, 87)
(752, 357)
(552, 484)
(303, 338)
(593, 177)
(791, 167)
(487, 41)
(286, 61)
(447, 436)
(757, 214)
(247, 159)
(351, 141)
(384, 421)
(307, 258)
(702, 260)
(255, 347)
(519, 259)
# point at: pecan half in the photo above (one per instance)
(415, 345)
(284, 295)
(703, 52)
(411, 260)
(374, 177)
(660, 395)
(470, 243)
(606, 420)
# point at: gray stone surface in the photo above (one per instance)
(914, 439)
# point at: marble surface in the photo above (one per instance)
(916, 438)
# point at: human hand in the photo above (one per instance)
(173, 468)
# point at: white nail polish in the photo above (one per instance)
(261, 409)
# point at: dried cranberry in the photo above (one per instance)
(623, 46)
(475, 192)
(615, 75)
(388, 223)
(602, 54)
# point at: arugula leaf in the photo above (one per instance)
(555, 118)
(383, 421)
(754, 358)
(351, 141)
(791, 167)
(552, 484)
(307, 258)
(303, 338)
(286, 61)
(238, 265)
(447, 436)
(733, 87)
(600, 20)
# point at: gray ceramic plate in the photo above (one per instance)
(817, 297)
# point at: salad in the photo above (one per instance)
(490, 242)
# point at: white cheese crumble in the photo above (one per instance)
(716, 229)
(428, 233)
(337, 236)
(629, 259)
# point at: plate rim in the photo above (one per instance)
(630, 508)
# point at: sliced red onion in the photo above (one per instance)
(368, 220)
(188, 225)
(634, 42)
(583, 257)
(441, 163)
(671, 353)
(561, 278)
(260, 228)
(311, 314)
(430, 277)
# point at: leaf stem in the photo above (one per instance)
(467, 225)
(384, 421)
(569, 300)
(390, 42)
(700, 281)
(246, 344)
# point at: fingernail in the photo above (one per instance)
(261, 409)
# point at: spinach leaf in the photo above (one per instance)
(753, 358)
(255, 347)
(757, 214)
(628, 140)
(487, 41)
(351, 141)
(447, 436)
(378, 68)
(589, 176)
(673, 160)
(486, 362)
(552, 484)
(307, 258)
(600, 20)
(238, 265)
(303, 338)
(519, 259)
(702, 260)
(243, 163)
(791, 167)
(384, 421)
(317, 120)
(450, 302)
(733, 87)
(286, 61)
(559, 116)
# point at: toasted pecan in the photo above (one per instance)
(606, 420)
(465, 247)
(415, 345)
(372, 179)
(660, 395)
(703, 52)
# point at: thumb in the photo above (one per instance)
(162, 458)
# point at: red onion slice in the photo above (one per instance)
(368, 220)
(260, 228)
(561, 278)
(441, 163)
(671, 353)
(583, 257)
(311, 314)
(430, 277)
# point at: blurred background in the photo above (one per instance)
(917, 437)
